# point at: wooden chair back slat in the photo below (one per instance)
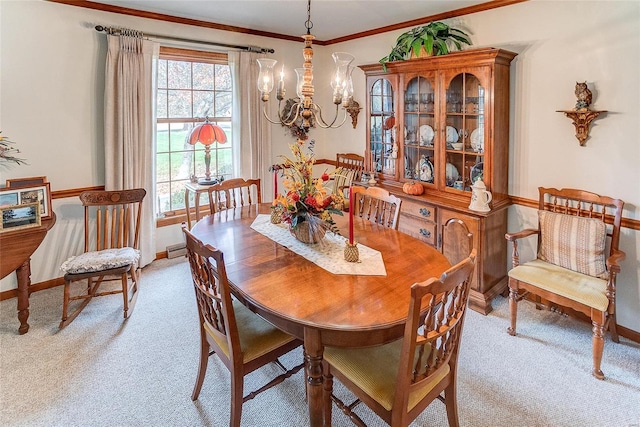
(351, 161)
(235, 192)
(444, 301)
(376, 205)
(585, 204)
(114, 213)
(212, 290)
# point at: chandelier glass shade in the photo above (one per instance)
(304, 108)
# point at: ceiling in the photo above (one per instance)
(332, 19)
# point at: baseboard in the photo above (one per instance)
(41, 286)
(629, 333)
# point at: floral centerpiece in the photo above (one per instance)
(306, 205)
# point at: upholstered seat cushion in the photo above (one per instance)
(375, 371)
(100, 260)
(257, 336)
(579, 287)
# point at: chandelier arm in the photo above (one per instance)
(282, 121)
(317, 114)
(296, 108)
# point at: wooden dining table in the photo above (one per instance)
(309, 302)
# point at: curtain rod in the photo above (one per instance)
(117, 31)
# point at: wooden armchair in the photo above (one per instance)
(572, 268)
(110, 254)
(233, 193)
(242, 340)
(400, 379)
(376, 205)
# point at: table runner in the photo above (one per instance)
(328, 254)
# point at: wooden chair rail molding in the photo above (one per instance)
(74, 192)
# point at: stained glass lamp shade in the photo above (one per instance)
(206, 134)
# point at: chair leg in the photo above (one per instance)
(451, 403)
(613, 328)
(326, 395)
(513, 307)
(66, 318)
(598, 349)
(65, 302)
(130, 295)
(237, 386)
(202, 365)
(125, 294)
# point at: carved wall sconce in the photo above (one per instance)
(582, 116)
(353, 109)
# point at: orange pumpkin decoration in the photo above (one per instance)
(413, 188)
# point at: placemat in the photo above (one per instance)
(328, 254)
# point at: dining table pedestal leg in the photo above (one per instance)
(313, 372)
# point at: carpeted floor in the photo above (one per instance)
(101, 371)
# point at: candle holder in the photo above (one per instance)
(276, 214)
(351, 253)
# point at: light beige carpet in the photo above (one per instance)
(101, 371)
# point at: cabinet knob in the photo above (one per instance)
(425, 233)
(425, 212)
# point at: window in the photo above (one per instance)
(192, 85)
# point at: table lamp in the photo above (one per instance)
(206, 134)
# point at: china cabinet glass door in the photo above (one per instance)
(420, 139)
(383, 128)
(465, 131)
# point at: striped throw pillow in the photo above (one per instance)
(342, 178)
(573, 242)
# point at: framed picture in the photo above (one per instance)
(40, 194)
(16, 217)
(26, 182)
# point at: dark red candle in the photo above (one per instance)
(275, 185)
(351, 203)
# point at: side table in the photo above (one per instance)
(16, 248)
(197, 189)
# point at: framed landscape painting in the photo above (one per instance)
(40, 194)
(20, 216)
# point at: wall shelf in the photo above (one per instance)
(582, 121)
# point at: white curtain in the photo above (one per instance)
(251, 134)
(129, 136)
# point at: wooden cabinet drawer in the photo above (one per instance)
(421, 229)
(420, 210)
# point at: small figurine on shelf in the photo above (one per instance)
(584, 96)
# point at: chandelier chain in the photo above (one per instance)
(308, 24)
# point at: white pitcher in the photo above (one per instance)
(480, 197)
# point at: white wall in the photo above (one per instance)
(51, 85)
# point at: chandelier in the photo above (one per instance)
(304, 109)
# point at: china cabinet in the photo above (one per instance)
(443, 121)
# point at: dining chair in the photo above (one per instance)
(110, 252)
(349, 168)
(400, 379)
(242, 340)
(457, 240)
(572, 270)
(377, 205)
(234, 192)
